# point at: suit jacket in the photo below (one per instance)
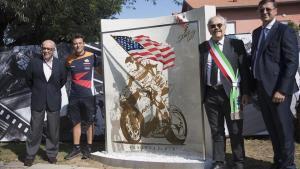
(45, 95)
(279, 60)
(235, 52)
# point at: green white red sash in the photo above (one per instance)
(228, 72)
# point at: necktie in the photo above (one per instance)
(213, 73)
(262, 42)
(258, 54)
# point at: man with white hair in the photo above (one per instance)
(45, 77)
(225, 78)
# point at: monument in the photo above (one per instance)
(154, 118)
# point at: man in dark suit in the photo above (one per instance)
(274, 65)
(217, 89)
(45, 76)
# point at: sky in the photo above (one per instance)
(146, 9)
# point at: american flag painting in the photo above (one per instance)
(142, 47)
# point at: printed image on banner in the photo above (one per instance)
(15, 96)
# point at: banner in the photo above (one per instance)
(15, 95)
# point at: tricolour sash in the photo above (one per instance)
(228, 72)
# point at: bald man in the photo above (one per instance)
(45, 77)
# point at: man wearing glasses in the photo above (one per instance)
(45, 77)
(274, 62)
(225, 78)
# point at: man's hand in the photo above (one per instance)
(278, 97)
(245, 100)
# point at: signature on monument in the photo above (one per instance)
(188, 34)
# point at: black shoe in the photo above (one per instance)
(87, 152)
(274, 166)
(52, 160)
(218, 165)
(28, 162)
(238, 165)
(74, 153)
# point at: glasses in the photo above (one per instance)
(219, 25)
(262, 10)
(50, 49)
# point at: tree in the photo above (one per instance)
(31, 21)
(24, 22)
(294, 26)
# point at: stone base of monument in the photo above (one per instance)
(151, 160)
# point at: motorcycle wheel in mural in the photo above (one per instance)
(177, 131)
(131, 124)
(133, 127)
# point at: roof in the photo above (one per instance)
(230, 3)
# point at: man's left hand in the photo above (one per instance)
(278, 97)
(245, 99)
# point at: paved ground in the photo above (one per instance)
(75, 165)
(19, 165)
(12, 165)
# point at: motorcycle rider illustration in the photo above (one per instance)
(144, 102)
(148, 74)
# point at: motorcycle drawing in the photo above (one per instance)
(144, 107)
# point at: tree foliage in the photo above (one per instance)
(294, 26)
(31, 21)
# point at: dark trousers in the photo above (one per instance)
(279, 123)
(35, 134)
(217, 107)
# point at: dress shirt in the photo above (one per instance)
(47, 67)
(268, 27)
(209, 63)
(264, 33)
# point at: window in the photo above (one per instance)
(230, 28)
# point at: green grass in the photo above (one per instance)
(258, 152)
(16, 151)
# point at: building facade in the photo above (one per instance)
(242, 15)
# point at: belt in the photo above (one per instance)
(217, 87)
